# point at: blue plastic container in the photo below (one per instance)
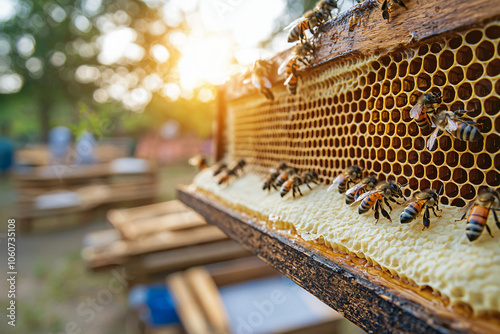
(154, 304)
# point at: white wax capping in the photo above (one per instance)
(440, 257)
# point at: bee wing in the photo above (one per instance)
(256, 81)
(336, 182)
(193, 161)
(416, 110)
(246, 81)
(432, 139)
(354, 189)
(466, 208)
(295, 22)
(288, 79)
(267, 83)
(365, 195)
(282, 67)
(452, 125)
(408, 201)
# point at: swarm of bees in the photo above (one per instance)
(369, 192)
(302, 52)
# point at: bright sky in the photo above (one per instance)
(220, 32)
(218, 29)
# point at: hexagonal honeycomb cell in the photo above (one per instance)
(356, 111)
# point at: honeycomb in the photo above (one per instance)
(355, 110)
(465, 274)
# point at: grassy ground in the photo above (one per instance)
(55, 293)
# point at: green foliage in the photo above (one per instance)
(55, 95)
(88, 121)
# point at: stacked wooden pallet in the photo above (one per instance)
(49, 191)
(162, 237)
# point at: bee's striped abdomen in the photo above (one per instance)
(423, 122)
(349, 198)
(286, 188)
(281, 180)
(343, 186)
(368, 203)
(411, 212)
(468, 132)
(476, 222)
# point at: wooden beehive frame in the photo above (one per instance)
(452, 46)
(354, 100)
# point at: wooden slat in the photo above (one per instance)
(193, 256)
(371, 300)
(188, 309)
(117, 252)
(153, 210)
(207, 295)
(173, 222)
(241, 270)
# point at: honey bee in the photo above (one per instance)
(366, 184)
(326, 7)
(426, 105)
(285, 175)
(282, 166)
(387, 4)
(231, 170)
(198, 161)
(238, 165)
(301, 52)
(271, 179)
(219, 168)
(260, 80)
(342, 181)
(376, 198)
(457, 126)
(295, 181)
(272, 176)
(421, 201)
(309, 21)
(310, 177)
(479, 209)
(292, 77)
(226, 174)
(292, 183)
